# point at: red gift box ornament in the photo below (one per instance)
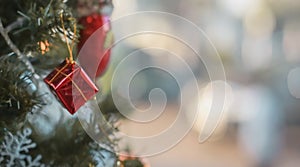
(70, 83)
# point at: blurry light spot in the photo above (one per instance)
(260, 21)
(294, 82)
(151, 39)
(205, 101)
(248, 102)
(239, 7)
(122, 8)
(257, 53)
(291, 41)
(223, 35)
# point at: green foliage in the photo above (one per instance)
(65, 148)
(14, 78)
(71, 146)
(40, 21)
(29, 22)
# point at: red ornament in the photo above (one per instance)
(72, 85)
(96, 53)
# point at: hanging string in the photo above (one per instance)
(70, 48)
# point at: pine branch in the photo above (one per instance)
(18, 23)
(14, 48)
(15, 150)
(34, 22)
(18, 92)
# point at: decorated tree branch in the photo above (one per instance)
(37, 58)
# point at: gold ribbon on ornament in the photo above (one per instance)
(70, 60)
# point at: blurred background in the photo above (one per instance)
(257, 41)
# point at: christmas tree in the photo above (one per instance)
(36, 128)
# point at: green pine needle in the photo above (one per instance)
(13, 83)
